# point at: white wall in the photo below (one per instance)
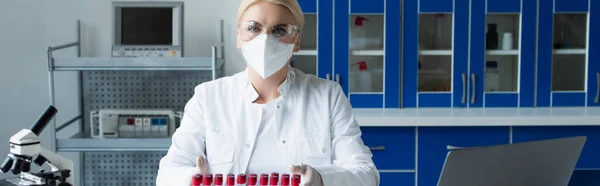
(27, 27)
(23, 78)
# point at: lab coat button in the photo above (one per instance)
(277, 106)
(324, 150)
(247, 145)
(283, 141)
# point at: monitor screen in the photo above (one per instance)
(147, 26)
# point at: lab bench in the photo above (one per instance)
(409, 146)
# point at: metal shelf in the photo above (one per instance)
(569, 51)
(111, 63)
(82, 142)
(377, 52)
(502, 52)
(436, 52)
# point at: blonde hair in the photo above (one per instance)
(291, 5)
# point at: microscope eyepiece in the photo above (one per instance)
(41, 123)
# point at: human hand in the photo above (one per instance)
(308, 175)
(202, 169)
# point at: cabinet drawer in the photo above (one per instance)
(591, 149)
(585, 178)
(434, 140)
(393, 148)
(397, 178)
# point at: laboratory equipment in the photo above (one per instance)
(274, 179)
(230, 180)
(241, 179)
(492, 77)
(362, 80)
(507, 41)
(24, 146)
(207, 179)
(264, 179)
(491, 37)
(133, 123)
(147, 29)
(296, 180)
(252, 180)
(218, 179)
(197, 180)
(285, 180)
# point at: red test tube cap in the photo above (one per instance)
(285, 180)
(208, 179)
(296, 180)
(241, 179)
(274, 179)
(264, 179)
(230, 180)
(252, 179)
(218, 179)
(197, 180)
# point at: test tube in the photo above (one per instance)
(197, 180)
(264, 179)
(296, 180)
(274, 179)
(252, 180)
(241, 179)
(208, 179)
(285, 180)
(230, 180)
(218, 179)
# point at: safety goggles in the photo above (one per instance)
(250, 29)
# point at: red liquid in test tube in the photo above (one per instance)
(197, 180)
(252, 180)
(241, 179)
(296, 180)
(218, 179)
(208, 179)
(264, 179)
(274, 181)
(230, 180)
(285, 180)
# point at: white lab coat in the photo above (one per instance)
(314, 119)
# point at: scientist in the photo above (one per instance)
(270, 117)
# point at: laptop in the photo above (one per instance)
(537, 163)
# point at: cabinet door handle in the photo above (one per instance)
(328, 76)
(464, 84)
(598, 87)
(378, 148)
(474, 90)
(337, 78)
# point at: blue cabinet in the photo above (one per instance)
(397, 179)
(367, 51)
(590, 153)
(393, 148)
(435, 53)
(482, 56)
(316, 47)
(432, 143)
(568, 67)
(502, 53)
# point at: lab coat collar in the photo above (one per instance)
(284, 88)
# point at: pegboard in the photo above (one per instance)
(139, 89)
(127, 90)
(121, 168)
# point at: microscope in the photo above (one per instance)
(25, 148)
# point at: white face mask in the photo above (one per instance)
(266, 54)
